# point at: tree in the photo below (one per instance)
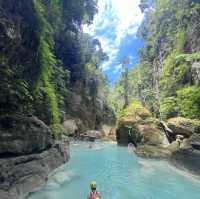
(144, 4)
(125, 81)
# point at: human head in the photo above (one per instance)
(93, 185)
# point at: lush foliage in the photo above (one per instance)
(44, 55)
(166, 80)
(189, 101)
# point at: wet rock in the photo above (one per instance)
(94, 133)
(188, 155)
(174, 146)
(155, 152)
(91, 135)
(23, 135)
(19, 176)
(194, 141)
(28, 154)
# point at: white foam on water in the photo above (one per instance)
(147, 168)
(185, 173)
(131, 148)
(60, 178)
(150, 166)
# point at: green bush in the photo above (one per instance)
(169, 107)
(44, 88)
(15, 95)
(189, 101)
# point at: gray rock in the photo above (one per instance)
(94, 133)
(155, 152)
(70, 127)
(183, 126)
(22, 175)
(188, 156)
(23, 135)
(28, 154)
(90, 135)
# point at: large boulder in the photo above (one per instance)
(73, 127)
(22, 175)
(28, 154)
(155, 152)
(188, 155)
(91, 135)
(23, 135)
(183, 126)
(109, 132)
(136, 126)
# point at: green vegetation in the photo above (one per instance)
(165, 80)
(49, 61)
(169, 107)
(46, 61)
(189, 101)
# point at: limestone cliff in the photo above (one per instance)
(28, 155)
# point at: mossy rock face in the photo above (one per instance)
(128, 133)
(184, 126)
(135, 112)
(135, 125)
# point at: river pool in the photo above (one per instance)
(119, 175)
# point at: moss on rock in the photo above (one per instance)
(135, 125)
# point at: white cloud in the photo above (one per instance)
(117, 68)
(115, 20)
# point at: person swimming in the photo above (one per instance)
(94, 194)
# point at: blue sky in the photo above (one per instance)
(116, 25)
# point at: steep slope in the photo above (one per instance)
(49, 69)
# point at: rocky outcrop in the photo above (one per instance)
(28, 155)
(136, 126)
(90, 135)
(73, 127)
(92, 112)
(23, 135)
(155, 152)
(19, 176)
(183, 126)
(184, 149)
(109, 132)
(188, 155)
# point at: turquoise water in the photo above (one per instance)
(119, 174)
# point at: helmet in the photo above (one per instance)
(93, 185)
